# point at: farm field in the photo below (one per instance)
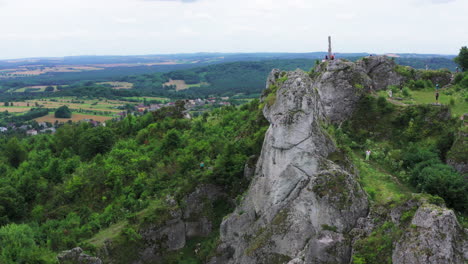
(181, 85)
(148, 98)
(75, 118)
(105, 108)
(37, 88)
(75, 103)
(119, 85)
(14, 109)
(35, 70)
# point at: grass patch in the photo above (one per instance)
(379, 185)
(427, 97)
(109, 233)
(378, 247)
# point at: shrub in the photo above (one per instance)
(329, 228)
(464, 81)
(406, 92)
(404, 71)
(63, 112)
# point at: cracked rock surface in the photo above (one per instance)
(300, 205)
(434, 238)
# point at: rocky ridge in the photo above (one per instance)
(301, 207)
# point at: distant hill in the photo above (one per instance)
(203, 74)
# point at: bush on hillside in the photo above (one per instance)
(63, 112)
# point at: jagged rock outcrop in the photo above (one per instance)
(340, 85)
(76, 256)
(422, 232)
(302, 207)
(434, 237)
(191, 219)
(381, 70)
(440, 77)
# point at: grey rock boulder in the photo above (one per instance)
(76, 256)
(381, 70)
(435, 237)
(340, 85)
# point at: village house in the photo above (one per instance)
(154, 107)
(3, 129)
(48, 130)
(32, 132)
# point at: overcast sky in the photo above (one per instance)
(39, 28)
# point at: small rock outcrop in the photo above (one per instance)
(434, 237)
(76, 256)
(440, 77)
(381, 70)
(193, 219)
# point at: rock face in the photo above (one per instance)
(340, 85)
(441, 77)
(76, 256)
(457, 157)
(193, 219)
(435, 237)
(381, 70)
(185, 223)
(301, 206)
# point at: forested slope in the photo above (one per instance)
(56, 191)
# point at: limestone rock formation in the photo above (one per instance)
(441, 77)
(185, 222)
(301, 207)
(76, 256)
(435, 237)
(381, 70)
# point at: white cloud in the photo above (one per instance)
(57, 27)
(442, 1)
(182, 1)
(126, 20)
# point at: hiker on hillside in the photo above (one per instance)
(390, 93)
(368, 152)
(202, 165)
(437, 96)
(437, 86)
(333, 57)
(326, 57)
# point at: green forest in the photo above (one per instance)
(59, 190)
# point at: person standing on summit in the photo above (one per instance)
(437, 93)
